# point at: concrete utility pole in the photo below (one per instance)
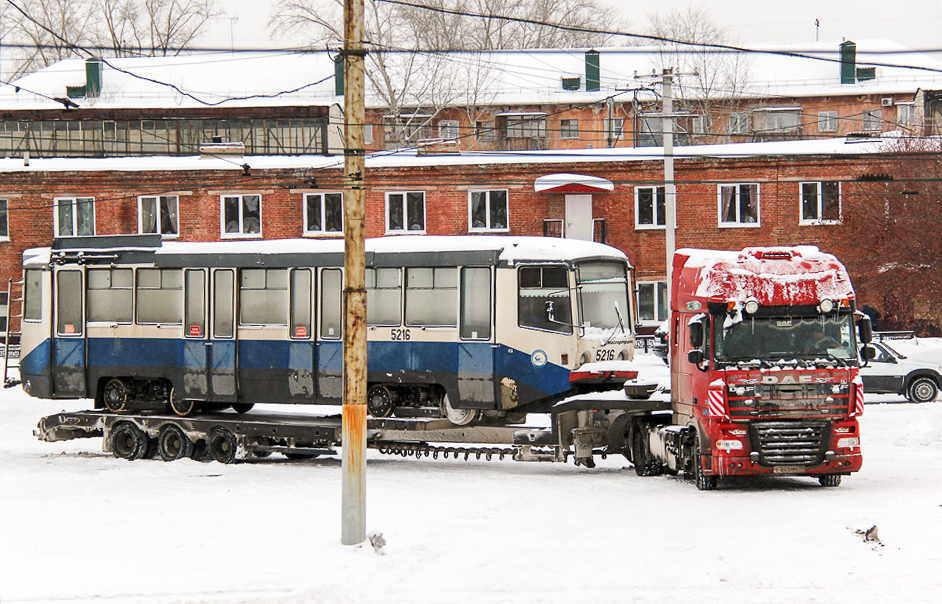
(670, 189)
(353, 463)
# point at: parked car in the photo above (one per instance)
(893, 373)
(659, 345)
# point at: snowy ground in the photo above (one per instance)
(77, 525)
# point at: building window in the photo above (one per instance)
(873, 120)
(367, 134)
(448, 129)
(484, 131)
(405, 212)
(740, 122)
(739, 204)
(4, 220)
(652, 131)
(75, 216)
(569, 129)
(614, 127)
(323, 213)
(524, 127)
(779, 120)
(652, 301)
(649, 207)
(827, 121)
(487, 210)
(905, 114)
(820, 202)
(241, 215)
(158, 214)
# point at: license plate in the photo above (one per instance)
(788, 470)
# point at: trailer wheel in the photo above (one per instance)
(645, 464)
(115, 395)
(222, 445)
(459, 417)
(704, 482)
(830, 480)
(173, 444)
(923, 390)
(128, 441)
(242, 407)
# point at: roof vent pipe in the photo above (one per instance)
(592, 79)
(848, 62)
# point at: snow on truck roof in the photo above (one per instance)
(505, 249)
(773, 276)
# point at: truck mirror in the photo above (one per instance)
(696, 334)
(866, 330)
(695, 357)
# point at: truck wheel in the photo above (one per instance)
(704, 482)
(459, 417)
(173, 444)
(128, 441)
(645, 464)
(115, 395)
(923, 390)
(830, 480)
(222, 445)
(242, 407)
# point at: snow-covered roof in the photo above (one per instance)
(515, 78)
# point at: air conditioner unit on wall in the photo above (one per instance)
(886, 101)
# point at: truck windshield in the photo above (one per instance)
(603, 298)
(778, 338)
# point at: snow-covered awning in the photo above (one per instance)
(572, 183)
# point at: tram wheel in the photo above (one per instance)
(173, 443)
(242, 407)
(222, 445)
(128, 441)
(379, 402)
(182, 407)
(115, 395)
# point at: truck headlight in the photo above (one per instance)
(728, 445)
(848, 442)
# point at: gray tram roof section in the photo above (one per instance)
(397, 250)
(514, 78)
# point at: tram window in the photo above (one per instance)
(69, 303)
(110, 293)
(544, 301)
(300, 303)
(432, 297)
(33, 304)
(383, 297)
(195, 304)
(263, 297)
(331, 303)
(223, 303)
(475, 303)
(159, 295)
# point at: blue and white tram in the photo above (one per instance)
(458, 327)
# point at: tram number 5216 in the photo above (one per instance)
(401, 335)
(604, 355)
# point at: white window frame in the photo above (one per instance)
(905, 114)
(367, 134)
(872, 120)
(658, 292)
(73, 201)
(820, 209)
(657, 214)
(449, 129)
(323, 201)
(484, 131)
(738, 223)
(614, 128)
(740, 122)
(827, 121)
(5, 222)
(222, 217)
(487, 228)
(571, 132)
(405, 213)
(158, 223)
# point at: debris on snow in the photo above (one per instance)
(871, 535)
(378, 542)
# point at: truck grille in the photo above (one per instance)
(790, 443)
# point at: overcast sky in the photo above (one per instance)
(916, 23)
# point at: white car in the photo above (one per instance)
(893, 373)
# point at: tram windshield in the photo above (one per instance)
(603, 298)
(777, 338)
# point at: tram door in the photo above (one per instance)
(68, 351)
(209, 354)
(476, 350)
